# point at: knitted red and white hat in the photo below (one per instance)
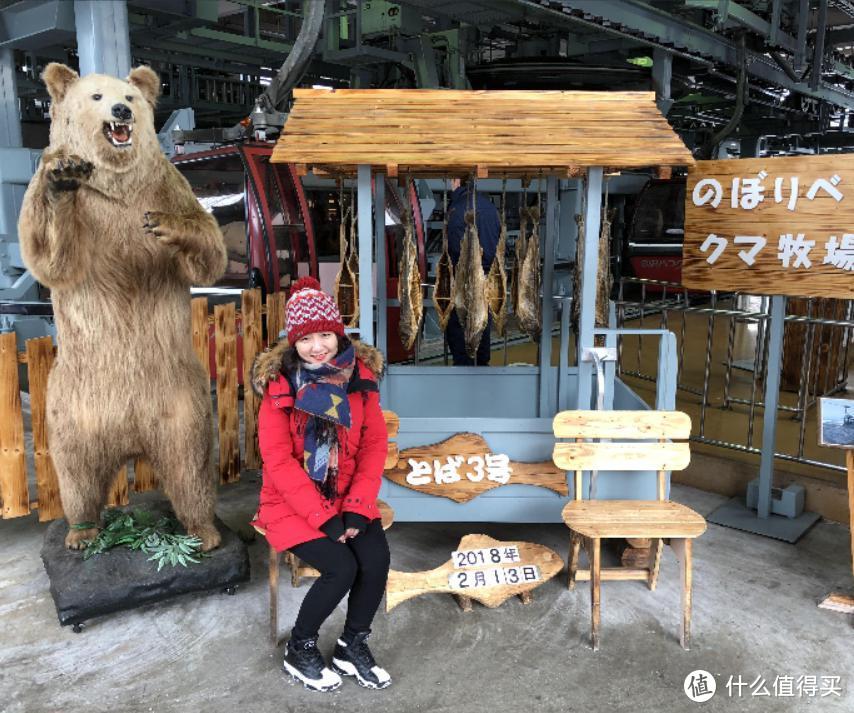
(311, 310)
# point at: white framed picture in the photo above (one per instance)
(836, 423)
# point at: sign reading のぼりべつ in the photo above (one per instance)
(777, 226)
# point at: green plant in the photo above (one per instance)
(152, 534)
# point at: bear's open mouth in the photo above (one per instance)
(118, 134)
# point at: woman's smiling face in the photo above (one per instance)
(317, 347)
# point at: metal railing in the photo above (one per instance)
(817, 345)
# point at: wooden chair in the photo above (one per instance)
(591, 521)
(297, 567)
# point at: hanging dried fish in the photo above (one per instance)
(496, 281)
(519, 256)
(353, 256)
(603, 273)
(409, 287)
(346, 288)
(470, 288)
(530, 280)
(443, 287)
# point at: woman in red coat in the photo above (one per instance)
(323, 441)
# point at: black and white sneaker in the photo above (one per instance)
(304, 663)
(356, 659)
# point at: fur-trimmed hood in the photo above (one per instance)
(268, 364)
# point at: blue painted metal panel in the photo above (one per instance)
(511, 392)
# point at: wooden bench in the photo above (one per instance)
(297, 567)
(591, 521)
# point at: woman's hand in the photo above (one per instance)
(348, 533)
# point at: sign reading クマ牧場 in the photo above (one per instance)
(781, 226)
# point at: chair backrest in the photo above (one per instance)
(630, 446)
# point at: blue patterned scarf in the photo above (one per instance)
(321, 399)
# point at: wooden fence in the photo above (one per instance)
(15, 495)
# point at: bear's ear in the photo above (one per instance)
(57, 77)
(146, 80)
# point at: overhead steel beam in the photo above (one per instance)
(32, 25)
(657, 28)
(743, 16)
(818, 46)
(836, 38)
(803, 26)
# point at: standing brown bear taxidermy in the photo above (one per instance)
(115, 231)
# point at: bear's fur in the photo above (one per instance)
(115, 231)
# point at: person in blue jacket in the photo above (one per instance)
(488, 230)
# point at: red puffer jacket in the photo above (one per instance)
(291, 508)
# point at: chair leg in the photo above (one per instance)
(682, 549)
(572, 564)
(655, 553)
(595, 581)
(274, 596)
(294, 563)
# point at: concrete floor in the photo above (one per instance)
(754, 614)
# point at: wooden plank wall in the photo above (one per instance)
(15, 497)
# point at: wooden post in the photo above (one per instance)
(274, 596)
(275, 316)
(39, 362)
(845, 602)
(226, 392)
(13, 465)
(144, 477)
(849, 461)
(119, 490)
(251, 308)
(199, 313)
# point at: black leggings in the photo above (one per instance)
(359, 566)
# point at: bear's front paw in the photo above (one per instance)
(67, 172)
(208, 534)
(77, 539)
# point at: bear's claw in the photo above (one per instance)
(66, 173)
(209, 536)
(77, 539)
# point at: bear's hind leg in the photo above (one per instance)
(182, 455)
(85, 475)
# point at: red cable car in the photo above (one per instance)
(276, 229)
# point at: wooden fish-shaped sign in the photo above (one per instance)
(463, 466)
(481, 568)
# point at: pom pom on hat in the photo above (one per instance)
(311, 310)
(305, 283)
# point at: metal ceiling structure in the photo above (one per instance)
(217, 56)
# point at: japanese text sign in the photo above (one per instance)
(777, 226)
(463, 466)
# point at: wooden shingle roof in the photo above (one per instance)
(448, 132)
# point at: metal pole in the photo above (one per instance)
(587, 308)
(10, 120)
(772, 393)
(548, 289)
(381, 276)
(103, 40)
(818, 48)
(366, 292)
(563, 357)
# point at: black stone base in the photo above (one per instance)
(122, 579)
